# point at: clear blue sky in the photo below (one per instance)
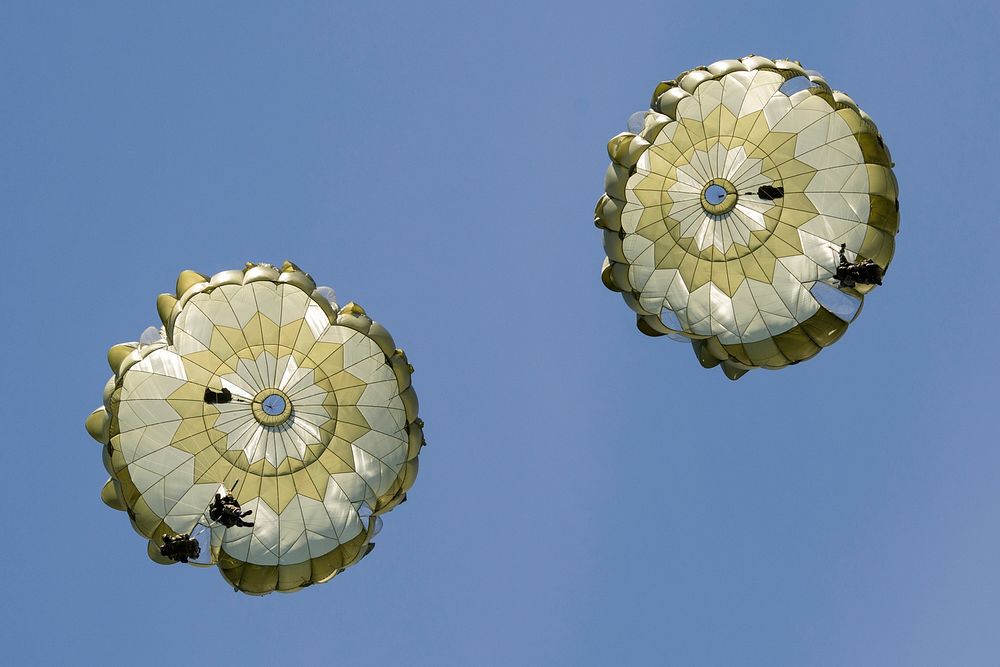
(589, 496)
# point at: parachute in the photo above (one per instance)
(263, 429)
(748, 211)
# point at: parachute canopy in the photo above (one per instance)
(264, 430)
(749, 211)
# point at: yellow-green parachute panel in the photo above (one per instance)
(263, 429)
(727, 206)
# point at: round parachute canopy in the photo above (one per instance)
(749, 210)
(264, 429)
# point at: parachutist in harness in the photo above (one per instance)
(180, 548)
(769, 192)
(862, 273)
(212, 396)
(227, 511)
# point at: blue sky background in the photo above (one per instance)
(589, 496)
